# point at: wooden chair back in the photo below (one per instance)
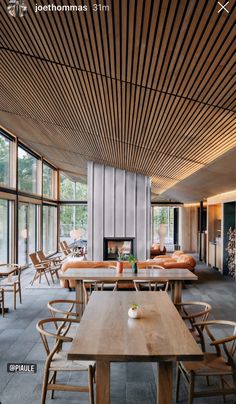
(59, 337)
(34, 259)
(41, 255)
(91, 285)
(192, 312)
(150, 285)
(55, 307)
(155, 266)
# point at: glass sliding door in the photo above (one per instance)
(49, 229)
(27, 231)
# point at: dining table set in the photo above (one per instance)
(108, 334)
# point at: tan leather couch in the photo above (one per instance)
(156, 250)
(178, 259)
(168, 262)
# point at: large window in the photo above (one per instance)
(7, 161)
(49, 182)
(4, 160)
(72, 190)
(4, 231)
(49, 229)
(28, 172)
(27, 231)
(73, 223)
(164, 216)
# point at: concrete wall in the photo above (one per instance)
(118, 206)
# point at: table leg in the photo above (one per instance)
(79, 296)
(165, 383)
(177, 297)
(102, 382)
(6, 310)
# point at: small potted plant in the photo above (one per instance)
(120, 262)
(134, 311)
(133, 261)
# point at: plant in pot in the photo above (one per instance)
(133, 261)
(134, 311)
(120, 261)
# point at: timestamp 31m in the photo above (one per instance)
(100, 7)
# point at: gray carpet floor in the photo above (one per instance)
(131, 383)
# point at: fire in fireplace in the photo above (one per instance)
(114, 245)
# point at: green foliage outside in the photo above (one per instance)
(27, 172)
(72, 190)
(47, 181)
(73, 217)
(4, 160)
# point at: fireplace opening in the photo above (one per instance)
(113, 245)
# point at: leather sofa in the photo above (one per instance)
(156, 250)
(177, 260)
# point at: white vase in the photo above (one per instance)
(162, 231)
(134, 313)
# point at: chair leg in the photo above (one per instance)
(51, 275)
(19, 289)
(3, 304)
(223, 386)
(53, 381)
(208, 380)
(45, 384)
(46, 278)
(14, 293)
(35, 275)
(90, 385)
(40, 274)
(191, 389)
(178, 374)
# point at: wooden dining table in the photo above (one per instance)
(106, 334)
(175, 276)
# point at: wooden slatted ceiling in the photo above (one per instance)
(147, 86)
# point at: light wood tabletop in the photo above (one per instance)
(175, 276)
(111, 274)
(106, 334)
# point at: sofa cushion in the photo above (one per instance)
(187, 259)
(177, 253)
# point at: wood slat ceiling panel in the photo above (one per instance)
(147, 85)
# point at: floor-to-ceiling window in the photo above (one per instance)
(24, 202)
(28, 208)
(27, 231)
(4, 231)
(49, 229)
